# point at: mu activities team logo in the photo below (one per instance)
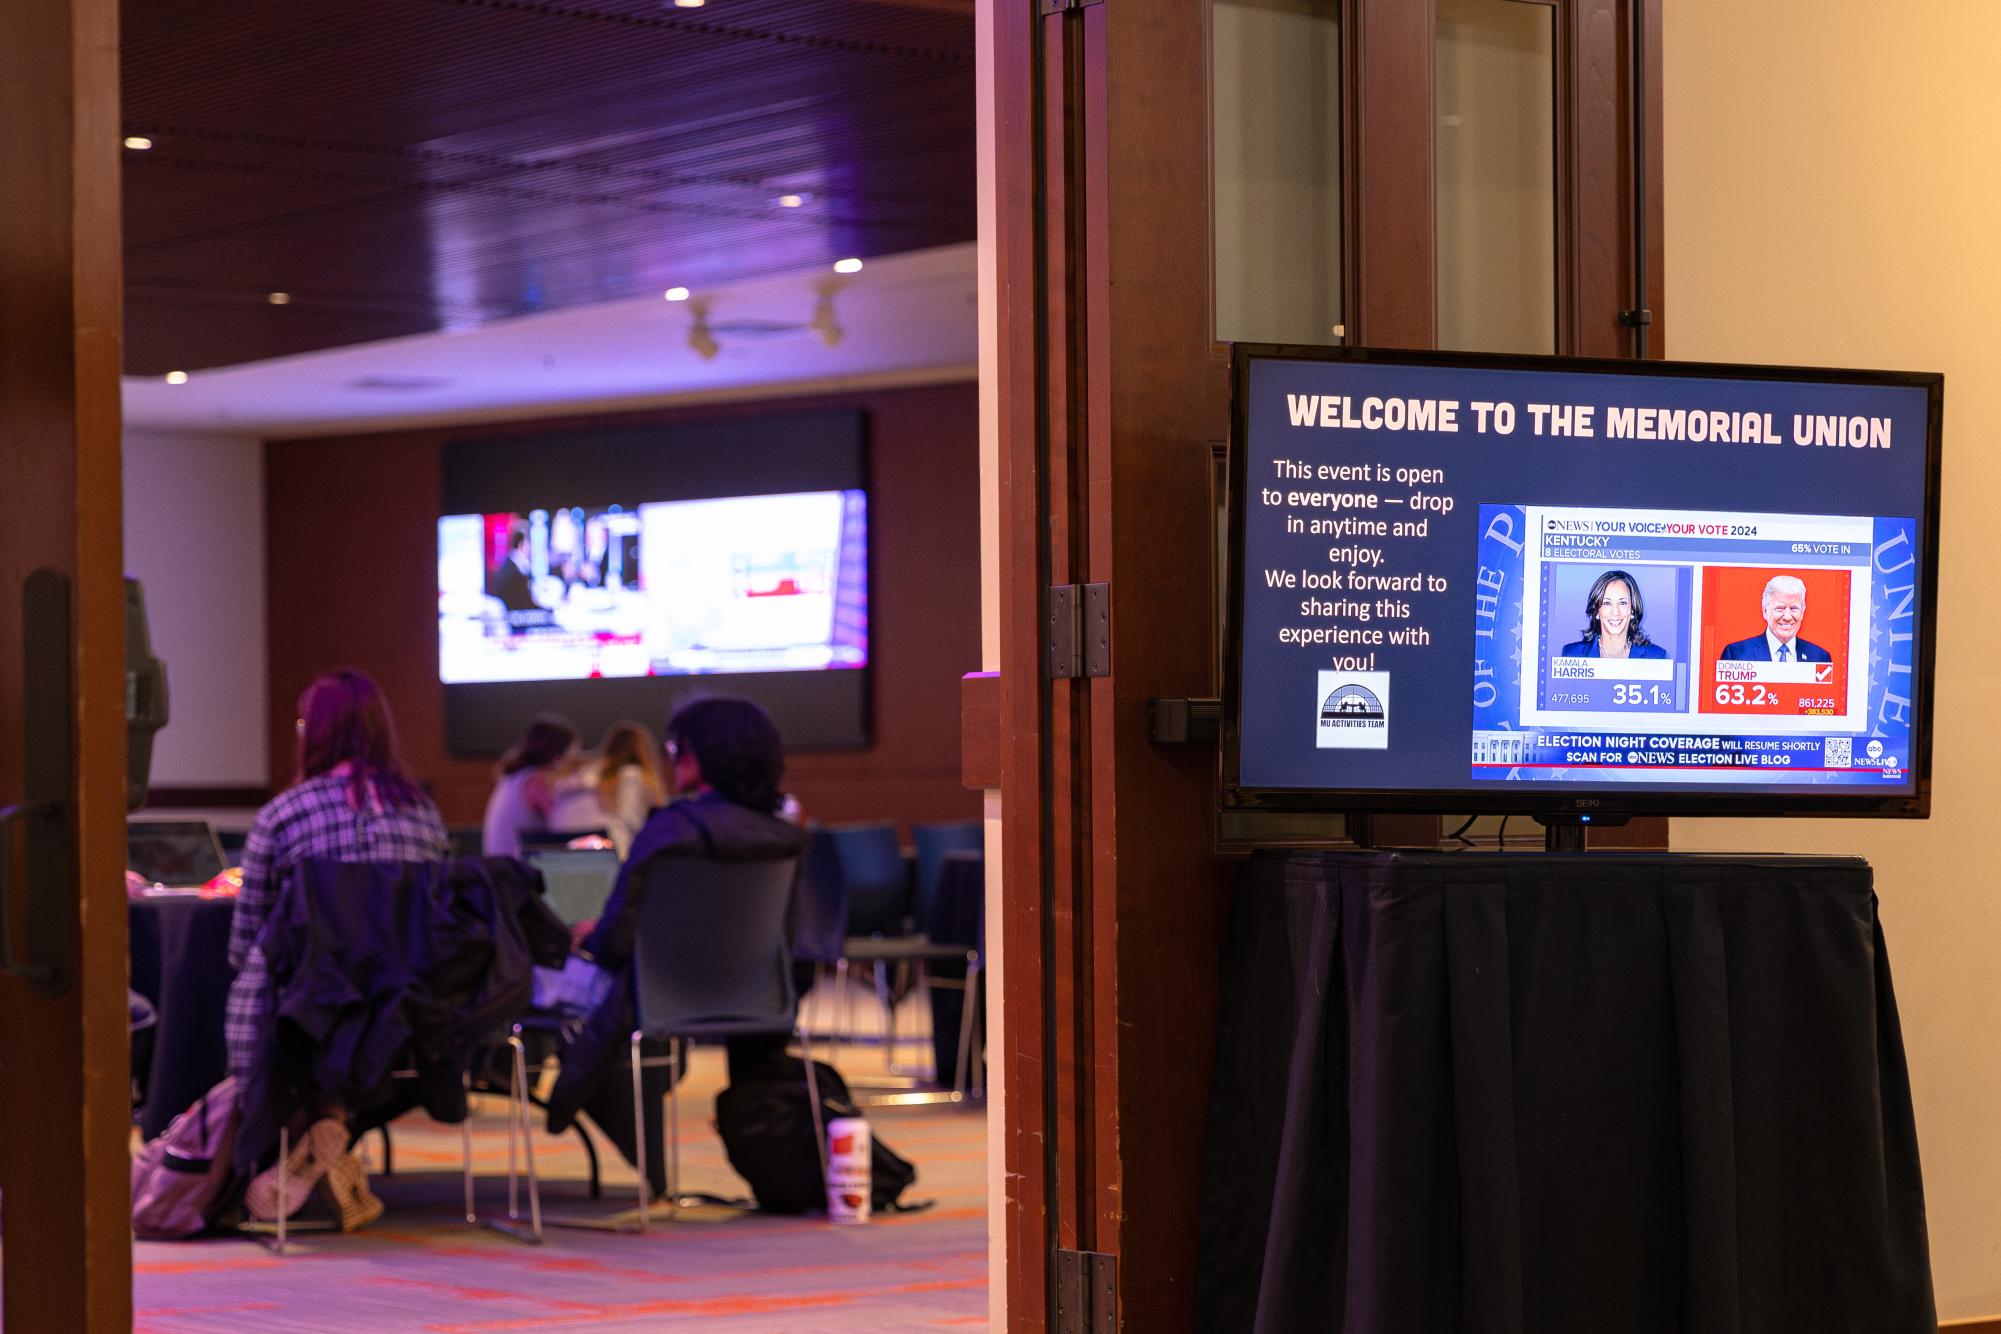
(1354, 711)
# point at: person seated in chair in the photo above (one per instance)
(353, 800)
(725, 762)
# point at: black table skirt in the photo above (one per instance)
(1541, 1094)
(180, 962)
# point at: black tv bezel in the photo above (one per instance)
(1607, 800)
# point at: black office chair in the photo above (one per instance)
(820, 912)
(933, 843)
(364, 906)
(877, 875)
(712, 959)
(951, 934)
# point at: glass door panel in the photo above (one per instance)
(1495, 141)
(1275, 99)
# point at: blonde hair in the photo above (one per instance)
(625, 745)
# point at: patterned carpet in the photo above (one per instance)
(421, 1268)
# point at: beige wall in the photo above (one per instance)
(194, 536)
(1832, 199)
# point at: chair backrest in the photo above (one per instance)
(933, 842)
(712, 958)
(575, 881)
(820, 913)
(877, 876)
(468, 840)
(958, 913)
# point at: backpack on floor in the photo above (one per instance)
(184, 1178)
(767, 1130)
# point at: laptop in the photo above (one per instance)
(576, 881)
(179, 855)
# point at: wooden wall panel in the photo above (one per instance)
(352, 541)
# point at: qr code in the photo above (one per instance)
(1840, 754)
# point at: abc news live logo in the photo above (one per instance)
(1354, 712)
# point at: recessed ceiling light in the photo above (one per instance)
(792, 201)
(689, 4)
(847, 266)
(677, 294)
(280, 298)
(138, 142)
(177, 377)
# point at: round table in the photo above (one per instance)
(180, 962)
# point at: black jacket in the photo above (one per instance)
(377, 966)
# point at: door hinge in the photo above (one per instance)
(1080, 631)
(1635, 319)
(1063, 6)
(1087, 1292)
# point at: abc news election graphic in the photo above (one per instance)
(1456, 578)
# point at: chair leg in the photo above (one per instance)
(388, 1151)
(844, 1002)
(674, 1123)
(639, 1132)
(923, 993)
(591, 1156)
(813, 1101)
(513, 1177)
(887, 996)
(969, 1000)
(520, 1122)
(284, 1205)
(465, 1151)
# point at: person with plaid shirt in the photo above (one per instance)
(353, 801)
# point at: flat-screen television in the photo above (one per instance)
(1580, 589)
(605, 575)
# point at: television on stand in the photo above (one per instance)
(1576, 590)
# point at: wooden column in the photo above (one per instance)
(1110, 386)
(1111, 390)
(65, 1111)
(1389, 174)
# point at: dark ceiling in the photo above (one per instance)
(402, 166)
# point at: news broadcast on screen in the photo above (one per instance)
(1486, 580)
(729, 584)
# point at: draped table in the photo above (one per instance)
(1562, 1092)
(180, 962)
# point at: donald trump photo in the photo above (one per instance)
(1784, 605)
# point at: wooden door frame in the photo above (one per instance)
(1108, 387)
(65, 1100)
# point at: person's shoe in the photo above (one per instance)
(345, 1189)
(325, 1141)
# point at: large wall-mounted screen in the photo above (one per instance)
(677, 588)
(606, 575)
(1560, 586)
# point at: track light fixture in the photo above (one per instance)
(824, 322)
(702, 339)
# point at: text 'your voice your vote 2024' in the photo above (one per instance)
(1458, 576)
